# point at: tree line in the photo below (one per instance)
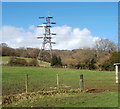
(101, 57)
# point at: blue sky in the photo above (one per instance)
(100, 18)
(60, 0)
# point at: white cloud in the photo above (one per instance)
(66, 38)
(32, 27)
(18, 37)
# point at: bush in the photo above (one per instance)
(33, 62)
(14, 61)
(78, 66)
(56, 61)
(108, 65)
(17, 62)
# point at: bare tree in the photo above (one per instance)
(105, 45)
(3, 45)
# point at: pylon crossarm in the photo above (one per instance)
(53, 43)
(49, 23)
(45, 26)
(40, 37)
(53, 34)
(48, 37)
(49, 17)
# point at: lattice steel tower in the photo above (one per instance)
(47, 36)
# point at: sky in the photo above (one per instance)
(60, 0)
(79, 24)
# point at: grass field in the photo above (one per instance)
(44, 78)
(105, 94)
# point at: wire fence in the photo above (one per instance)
(33, 83)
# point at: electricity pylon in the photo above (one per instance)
(47, 36)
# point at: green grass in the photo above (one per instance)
(104, 99)
(44, 64)
(5, 59)
(44, 78)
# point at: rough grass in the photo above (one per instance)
(67, 99)
(5, 60)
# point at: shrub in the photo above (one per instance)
(56, 61)
(108, 65)
(78, 66)
(33, 62)
(17, 62)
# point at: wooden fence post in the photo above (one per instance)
(57, 81)
(26, 78)
(81, 82)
